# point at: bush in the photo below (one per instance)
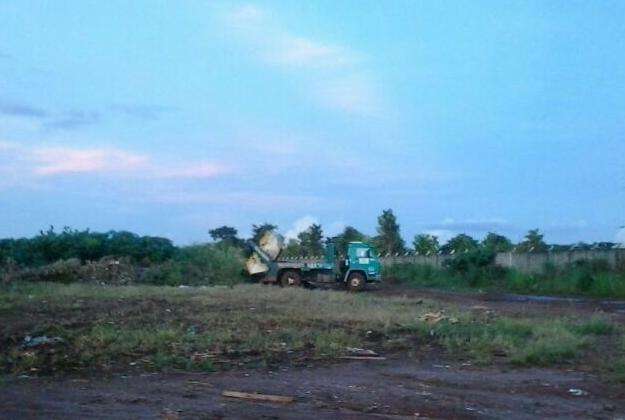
(476, 267)
(199, 265)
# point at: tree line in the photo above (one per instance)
(51, 245)
(388, 240)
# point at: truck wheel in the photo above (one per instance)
(290, 278)
(356, 282)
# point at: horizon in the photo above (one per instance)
(186, 117)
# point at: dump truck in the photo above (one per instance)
(353, 267)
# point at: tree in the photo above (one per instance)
(259, 230)
(497, 243)
(292, 249)
(311, 240)
(225, 235)
(533, 242)
(425, 244)
(389, 240)
(349, 234)
(460, 243)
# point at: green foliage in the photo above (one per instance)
(533, 242)
(311, 240)
(51, 246)
(226, 235)
(259, 230)
(389, 240)
(199, 265)
(425, 244)
(460, 243)
(292, 249)
(497, 243)
(349, 234)
(476, 267)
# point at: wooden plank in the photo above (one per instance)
(258, 397)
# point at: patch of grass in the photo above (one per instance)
(523, 342)
(597, 325)
(131, 327)
(551, 344)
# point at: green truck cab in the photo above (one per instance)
(353, 267)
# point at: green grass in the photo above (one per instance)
(153, 328)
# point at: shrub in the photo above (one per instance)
(476, 267)
(199, 265)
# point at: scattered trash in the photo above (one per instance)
(198, 383)
(432, 318)
(258, 397)
(577, 392)
(30, 342)
(183, 286)
(363, 357)
(355, 351)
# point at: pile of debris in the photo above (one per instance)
(108, 270)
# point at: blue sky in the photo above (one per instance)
(170, 118)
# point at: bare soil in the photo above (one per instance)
(395, 388)
(420, 383)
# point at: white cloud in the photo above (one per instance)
(65, 160)
(35, 162)
(299, 226)
(335, 75)
(443, 235)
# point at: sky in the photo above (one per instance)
(170, 118)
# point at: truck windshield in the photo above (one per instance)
(362, 252)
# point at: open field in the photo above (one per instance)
(136, 338)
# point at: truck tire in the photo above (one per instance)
(356, 282)
(290, 278)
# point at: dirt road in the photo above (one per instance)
(372, 389)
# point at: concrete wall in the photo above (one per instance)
(527, 263)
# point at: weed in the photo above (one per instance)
(151, 327)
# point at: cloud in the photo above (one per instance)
(443, 235)
(473, 225)
(20, 110)
(333, 75)
(47, 119)
(44, 162)
(620, 236)
(72, 120)
(63, 160)
(299, 226)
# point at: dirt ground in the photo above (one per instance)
(402, 386)
(393, 388)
